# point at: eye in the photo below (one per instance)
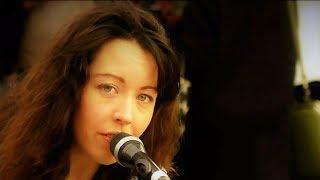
(108, 89)
(145, 98)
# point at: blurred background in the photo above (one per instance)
(252, 79)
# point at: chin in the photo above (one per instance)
(102, 157)
(107, 160)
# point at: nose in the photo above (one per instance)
(124, 111)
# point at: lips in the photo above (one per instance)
(108, 136)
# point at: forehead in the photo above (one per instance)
(127, 59)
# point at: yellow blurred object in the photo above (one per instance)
(305, 133)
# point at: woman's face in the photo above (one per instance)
(120, 96)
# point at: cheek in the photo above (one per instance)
(143, 123)
(97, 113)
(90, 114)
(94, 115)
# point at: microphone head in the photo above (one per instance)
(124, 146)
(115, 140)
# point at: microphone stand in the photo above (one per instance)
(147, 169)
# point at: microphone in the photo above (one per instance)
(129, 152)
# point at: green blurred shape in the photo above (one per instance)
(305, 133)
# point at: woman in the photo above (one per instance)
(112, 71)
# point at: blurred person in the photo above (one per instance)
(45, 20)
(240, 60)
(113, 70)
(13, 15)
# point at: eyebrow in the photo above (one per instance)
(150, 87)
(122, 80)
(110, 75)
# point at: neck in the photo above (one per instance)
(82, 167)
